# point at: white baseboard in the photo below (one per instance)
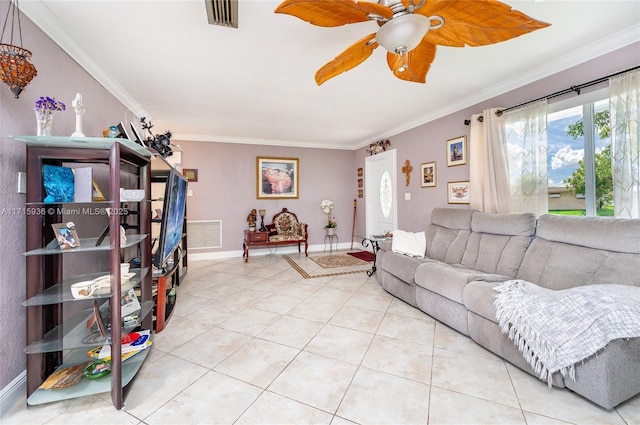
(13, 392)
(288, 249)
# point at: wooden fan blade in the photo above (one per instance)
(476, 23)
(353, 56)
(333, 13)
(417, 62)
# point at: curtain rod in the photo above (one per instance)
(558, 93)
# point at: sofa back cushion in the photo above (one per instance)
(571, 251)
(448, 233)
(497, 242)
(286, 223)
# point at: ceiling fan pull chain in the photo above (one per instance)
(405, 63)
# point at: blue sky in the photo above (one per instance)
(563, 151)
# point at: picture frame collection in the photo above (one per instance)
(278, 178)
(456, 153)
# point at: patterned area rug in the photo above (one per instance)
(323, 265)
(363, 255)
(333, 261)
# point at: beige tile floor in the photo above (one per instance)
(257, 344)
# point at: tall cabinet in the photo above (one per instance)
(58, 325)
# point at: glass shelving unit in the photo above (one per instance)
(56, 340)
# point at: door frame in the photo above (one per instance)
(372, 189)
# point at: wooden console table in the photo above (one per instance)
(254, 239)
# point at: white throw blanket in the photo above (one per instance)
(554, 330)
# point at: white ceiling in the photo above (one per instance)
(255, 84)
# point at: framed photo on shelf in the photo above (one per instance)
(66, 235)
(457, 151)
(277, 178)
(428, 173)
(458, 192)
(122, 130)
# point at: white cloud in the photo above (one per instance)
(566, 157)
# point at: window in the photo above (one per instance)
(579, 160)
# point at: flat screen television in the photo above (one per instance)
(171, 227)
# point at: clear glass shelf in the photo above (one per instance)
(73, 208)
(87, 245)
(80, 143)
(130, 368)
(73, 333)
(61, 292)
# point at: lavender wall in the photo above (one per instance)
(60, 77)
(226, 188)
(426, 143)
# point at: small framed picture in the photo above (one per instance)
(66, 235)
(458, 192)
(457, 151)
(428, 173)
(191, 174)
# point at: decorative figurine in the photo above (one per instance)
(79, 108)
(251, 219)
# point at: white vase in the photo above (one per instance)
(330, 231)
(44, 119)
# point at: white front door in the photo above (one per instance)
(380, 200)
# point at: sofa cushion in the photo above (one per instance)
(286, 224)
(400, 266)
(557, 265)
(449, 280)
(286, 238)
(448, 233)
(478, 298)
(497, 242)
(608, 233)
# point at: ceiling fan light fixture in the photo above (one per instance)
(403, 33)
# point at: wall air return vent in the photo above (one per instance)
(222, 12)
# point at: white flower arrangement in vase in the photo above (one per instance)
(326, 206)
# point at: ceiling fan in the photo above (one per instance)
(409, 31)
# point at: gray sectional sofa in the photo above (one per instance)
(469, 253)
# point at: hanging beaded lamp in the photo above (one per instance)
(16, 70)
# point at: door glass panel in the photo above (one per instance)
(386, 192)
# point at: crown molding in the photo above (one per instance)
(40, 14)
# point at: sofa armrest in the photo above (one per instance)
(301, 229)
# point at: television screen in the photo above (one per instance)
(175, 195)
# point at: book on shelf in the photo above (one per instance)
(132, 344)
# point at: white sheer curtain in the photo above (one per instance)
(527, 157)
(624, 99)
(488, 173)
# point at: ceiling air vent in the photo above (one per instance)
(222, 12)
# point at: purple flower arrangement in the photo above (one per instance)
(47, 103)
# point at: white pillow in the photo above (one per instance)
(407, 243)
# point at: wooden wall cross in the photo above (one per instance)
(407, 170)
